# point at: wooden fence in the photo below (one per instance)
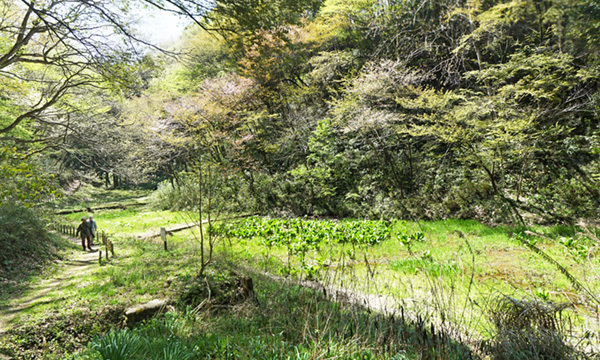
(103, 236)
(70, 230)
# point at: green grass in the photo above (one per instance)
(426, 265)
(460, 263)
(458, 271)
(89, 197)
(130, 222)
(286, 321)
(27, 273)
(27, 249)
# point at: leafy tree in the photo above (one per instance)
(394, 108)
(20, 181)
(60, 47)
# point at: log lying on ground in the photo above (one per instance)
(172, 230)
(105, 207)
(187, 226)
(138, 313)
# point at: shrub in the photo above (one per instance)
(221, 287)
(166, 197)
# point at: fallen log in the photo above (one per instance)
(105, 207)
(185, 227)
(138, 313)
(531, 233)
(172, 230)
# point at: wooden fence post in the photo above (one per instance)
(111, 247)
(163, 236)
(105, 242)
(100, 257)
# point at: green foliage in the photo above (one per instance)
(166, 197)
(466, 124)
(157, 340)
(311, 233)
(374, 109)
(301, 237)
(208, 59)
(117, 345)
(287, 322)
(408, 240)
(21, 181)
(184, 194)
(317, 180)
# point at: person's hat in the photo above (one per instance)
(83, 218)
(91, 216)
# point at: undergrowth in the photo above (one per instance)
(57, 335)
(283, 321)
(532, 329)
(442, 275)
(26, 245)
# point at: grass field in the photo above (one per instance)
(459, 270)
(453, 276)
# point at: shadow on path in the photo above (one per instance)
(47, 291)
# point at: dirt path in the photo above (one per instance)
(49, 290)
(73, 187)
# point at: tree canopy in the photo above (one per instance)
(416, 109)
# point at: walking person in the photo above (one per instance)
(85, 231)
(93, 227)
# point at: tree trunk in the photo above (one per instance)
(202, 264)
(116, 181)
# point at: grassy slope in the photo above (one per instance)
(27, 249)
(26, 271)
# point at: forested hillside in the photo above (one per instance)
(307, 179)
(382, 109)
